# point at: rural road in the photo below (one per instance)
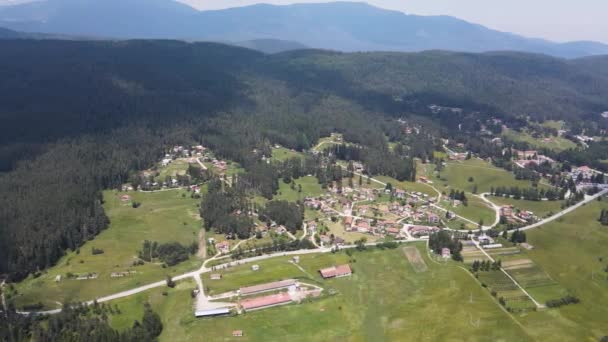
(565, 211)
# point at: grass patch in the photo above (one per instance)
(457, 174)
(310, 188)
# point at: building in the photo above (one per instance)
(362, 226)
(212, 312)
(446, 253)
(216, 276)
(237, 333)
(266, 302)
(392, 231)
(492, 246)
(432, 218)
(274, 286)
(506, 210)
(223, 247)
(255, 267)
(336, 271)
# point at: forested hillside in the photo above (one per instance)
(77, 117)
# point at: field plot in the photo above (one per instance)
(569, 250)
(504, 287)
(413, 256)
(472, 253)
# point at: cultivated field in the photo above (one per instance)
(413, 256)
(572, 251)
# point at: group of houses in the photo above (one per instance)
(516, 216)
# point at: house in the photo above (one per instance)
(485, 240)
(432, 218)
(216, 276)
(223, 247)
(400, 193)
(348, 221)
(125, 198)
(424, 179)
(280, 230)
(392, 231)
(446, 253)
(339, 241)
(363, 226)
(237, 333)
(266, 301)
(506, 210)
(336, 271)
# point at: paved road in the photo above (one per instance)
(565, 211)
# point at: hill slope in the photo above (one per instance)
(78, 117)
(345, 26)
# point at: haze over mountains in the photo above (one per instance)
(344, 26)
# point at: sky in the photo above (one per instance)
(557, 20)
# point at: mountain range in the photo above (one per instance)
(343, 26)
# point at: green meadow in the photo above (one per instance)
(384, 300)
(164, 216)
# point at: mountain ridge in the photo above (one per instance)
(343, 26)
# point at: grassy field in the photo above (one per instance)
(539, 208)
(552, 142)
(572, 251)
(456, 176)
(385, 300)
(177, 167)
(282, 154)
(475, 210)
(163, 216)
(337, 228)
(310, 188)
(407, 186)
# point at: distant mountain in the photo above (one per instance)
(9, 34)
(345, 26)
(271, 46)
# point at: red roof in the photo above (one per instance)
(261, 302)
(393, 231)
(336, 271)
